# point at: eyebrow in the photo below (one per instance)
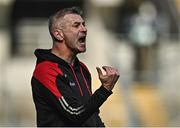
(76, 22)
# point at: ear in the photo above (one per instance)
(58, 35)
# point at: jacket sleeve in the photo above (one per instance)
(99, 122)
(79, 112)
(67, 104)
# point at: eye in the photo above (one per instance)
(76, 25)
(84, 24)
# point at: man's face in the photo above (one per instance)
(75, 33)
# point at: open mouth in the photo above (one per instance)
(82, 39)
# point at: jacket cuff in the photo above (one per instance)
(104, 92)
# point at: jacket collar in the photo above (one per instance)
(46, 55)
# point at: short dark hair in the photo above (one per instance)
(60, 14)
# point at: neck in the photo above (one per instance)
(63, 53)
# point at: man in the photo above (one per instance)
(61, 84)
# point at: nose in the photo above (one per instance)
(83, 29)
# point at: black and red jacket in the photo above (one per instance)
(62, 93)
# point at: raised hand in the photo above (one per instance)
(109, 79)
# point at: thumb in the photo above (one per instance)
(99, 71)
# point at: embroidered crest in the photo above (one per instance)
(72, 84)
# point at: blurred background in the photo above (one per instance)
(139, 37)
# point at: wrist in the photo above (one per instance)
(109, 88)
(106, 90)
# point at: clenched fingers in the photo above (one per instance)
(111, 70)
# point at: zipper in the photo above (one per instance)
(85, 81)
(77, 81)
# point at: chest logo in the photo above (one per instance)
(72, 84)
